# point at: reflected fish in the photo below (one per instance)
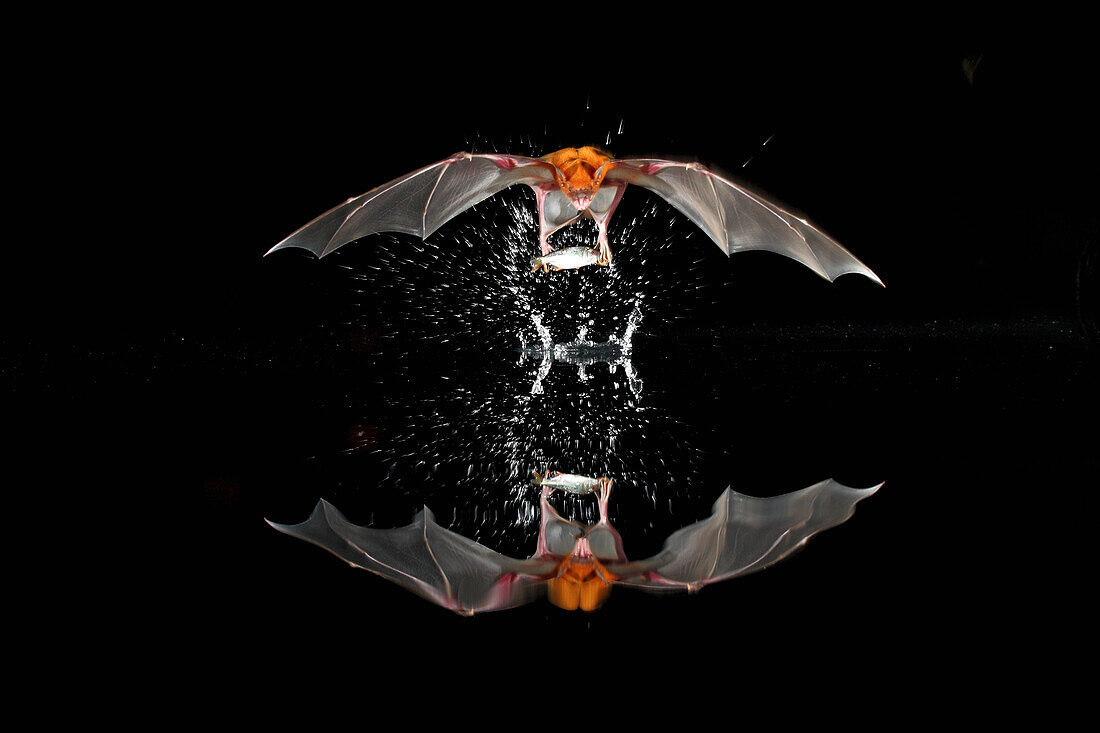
(569, 482)
(569, 258)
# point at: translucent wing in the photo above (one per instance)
(420, 202)
(743, 534)
(431, 561)
(736, 218)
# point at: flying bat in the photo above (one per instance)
(571, 184)
(575, 564)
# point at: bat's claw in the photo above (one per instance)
(604, 496)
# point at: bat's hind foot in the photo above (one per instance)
(605, 255)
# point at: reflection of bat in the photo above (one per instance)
(431, 561)
(742, 535)
(574, 183)
(576, 564)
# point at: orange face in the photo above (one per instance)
(578, 171)
(583, 584)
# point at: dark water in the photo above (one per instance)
(982, 430)
(389, 377)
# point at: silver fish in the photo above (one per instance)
(569, 258)
(569, 482)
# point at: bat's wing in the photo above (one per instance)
(738, 219)
(420, 202)
(743, 534)
(431, 561)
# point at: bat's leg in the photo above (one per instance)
(544, 228)
(601, 209)
(555, 212)
(605, 248)
(544, 232)
(545, 513)
(604, 498)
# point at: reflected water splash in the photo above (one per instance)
(576, 564)
(581, 352)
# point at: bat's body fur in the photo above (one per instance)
(579, 172)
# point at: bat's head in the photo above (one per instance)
(579, 172)
(582, 583)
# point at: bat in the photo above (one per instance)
(571, 184)
(576, 564)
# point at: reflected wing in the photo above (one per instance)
(743, 534)
(431, 561)
(418, 203)
(736, 218)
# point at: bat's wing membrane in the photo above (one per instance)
(738, 219)
(420, 202)
(431, 561)
(743, 534)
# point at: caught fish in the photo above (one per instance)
(569, 258)
(569, 482)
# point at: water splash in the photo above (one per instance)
(615, 352)
(468, 441)
(544, 333)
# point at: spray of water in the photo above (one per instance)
(468, 289)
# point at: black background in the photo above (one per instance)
(178, 376)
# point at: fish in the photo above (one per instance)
(575, 183)
(568, 258)
(569, 482)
